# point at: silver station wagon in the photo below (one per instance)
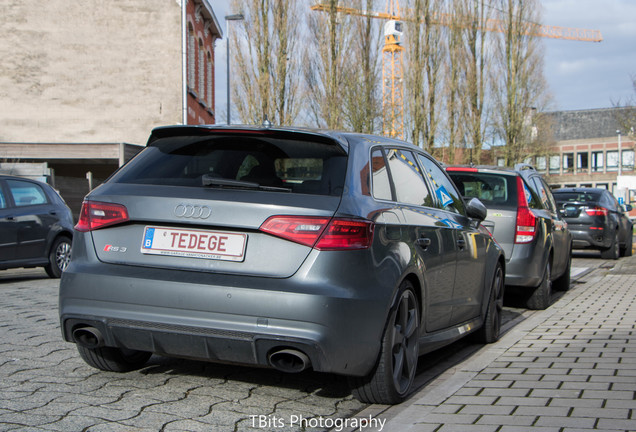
(286, 248)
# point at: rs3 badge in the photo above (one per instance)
(111, 248)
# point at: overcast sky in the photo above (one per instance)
(581, 75)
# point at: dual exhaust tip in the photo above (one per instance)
(88, 337)
(289, 360)
(285, 360)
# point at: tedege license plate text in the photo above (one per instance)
(194, 243)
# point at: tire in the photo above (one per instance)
(489, 332)
(59, 257)
(613, 251)
(563, 282)
(392, 377)
(540, 298)
(627, 251)
(113, 359)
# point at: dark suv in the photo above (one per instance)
(523, 217)
(288, 248)
(36, 226)
(597, 220)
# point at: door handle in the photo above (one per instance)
(423, 242)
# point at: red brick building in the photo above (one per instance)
(202, 30)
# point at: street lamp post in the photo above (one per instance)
(235, 17)
(620, 157)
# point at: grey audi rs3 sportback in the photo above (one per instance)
(287, 248)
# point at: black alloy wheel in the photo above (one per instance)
(393, 376)
(491, 329)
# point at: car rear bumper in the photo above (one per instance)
(199, 343)
(590, 239)
(228, 318)
(526, 266)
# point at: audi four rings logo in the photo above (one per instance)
(192, 211)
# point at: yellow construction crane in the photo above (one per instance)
(392, 51)
(392, 70)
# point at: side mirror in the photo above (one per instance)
(475, 209)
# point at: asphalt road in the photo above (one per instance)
(44, 385)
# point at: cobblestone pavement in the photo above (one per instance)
(44, 385)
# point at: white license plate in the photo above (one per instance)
(194, 243)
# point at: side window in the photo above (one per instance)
(3, 202)
(380, 177)
(444, 189)
(531, 197)
(544, 195)
(553, 204)
(26, 193)
(410, 187)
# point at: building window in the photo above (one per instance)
(612, 161)
(582, 163)
(597, 161)
(568, 162)
(601, 185)
(555, 164)
(541, 163)
(528, 160)
(501, 161)
(628, 160)
(191, 54)
(209, 80)
(201, 70)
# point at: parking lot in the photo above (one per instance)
(46, 386)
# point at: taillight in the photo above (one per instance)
(95, 215)
(526, 220)
(597, 211)
(321, 233)
(346, 234)
(303, 230)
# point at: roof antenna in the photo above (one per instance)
(266, 122)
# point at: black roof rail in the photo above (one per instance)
(524, 166)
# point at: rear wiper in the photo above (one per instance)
(239, 184)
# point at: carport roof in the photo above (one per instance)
(41, 151)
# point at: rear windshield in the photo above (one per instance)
(579, 197)
(491, 189)
(242, 162)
